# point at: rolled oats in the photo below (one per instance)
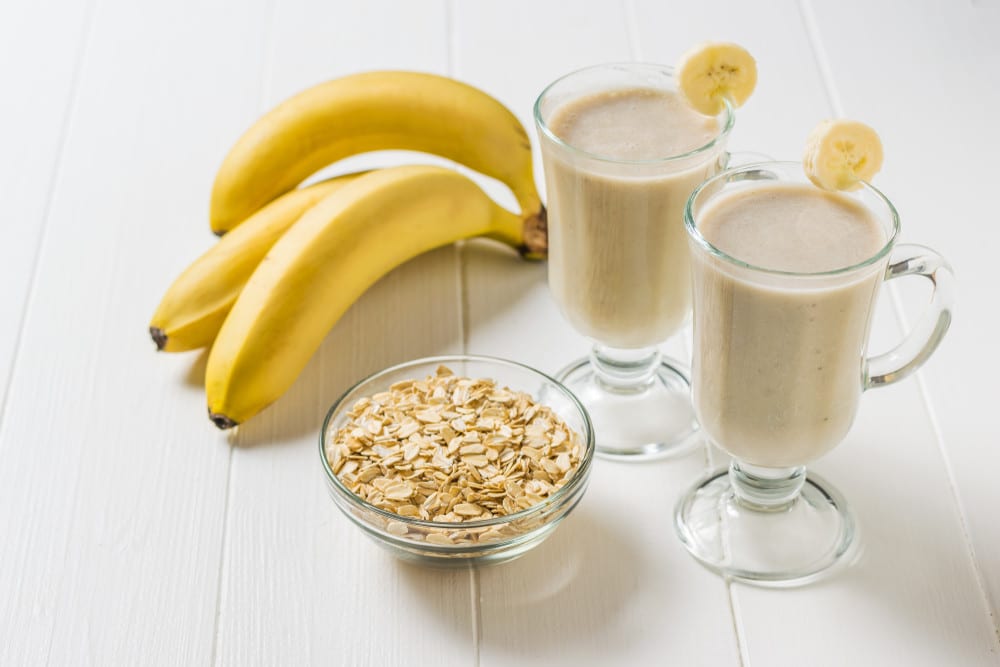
(452, 449)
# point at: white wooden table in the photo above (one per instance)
(134, 533)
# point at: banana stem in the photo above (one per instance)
(535, 233)
(527, 233)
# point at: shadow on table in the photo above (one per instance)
(904, 575)
(498, 276)
(568, 589)
(902, 565)
(397, 320)
(195, 376)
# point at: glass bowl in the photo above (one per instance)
(485, 541)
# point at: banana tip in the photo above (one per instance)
(221, 421)
(159, 337)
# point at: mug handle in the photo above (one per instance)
(902, 360)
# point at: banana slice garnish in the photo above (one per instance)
(712, 72)
(842, 153)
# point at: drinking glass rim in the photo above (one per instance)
(547, 131)
(695, 233)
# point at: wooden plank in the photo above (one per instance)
(112, 489)
(33, 121)
(612, 585)
(940, 172)
(916, 615)
(912, 597)
(301, 585)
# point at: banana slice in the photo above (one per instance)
(841, 153)
(714, 71)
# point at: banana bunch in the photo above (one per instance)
(293, 259)
(195, 306)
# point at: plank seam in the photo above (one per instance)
(820, 56)
(223, 551)
(64, 131)
(923, 391)
(91, 389)
(461, 271)
(271, 13)
(632, 29)
(993, 619)
(635, 50)
(451, 30)
(742, 654)
(477, 617)
(826, 75)
(74, 97)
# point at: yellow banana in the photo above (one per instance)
(325, 262)
(194, 307)
(713, 72)
(367, 112)
(841, 154)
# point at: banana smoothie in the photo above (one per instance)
(777, 372)
(618, 263)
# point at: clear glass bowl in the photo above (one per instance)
(488, 541)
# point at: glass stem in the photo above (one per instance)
(766, 489)
(625, 371)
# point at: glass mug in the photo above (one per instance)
(619, 265)
(779, 366)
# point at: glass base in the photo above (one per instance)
(650, 420)
(791, 543)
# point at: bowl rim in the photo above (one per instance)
(567, 491)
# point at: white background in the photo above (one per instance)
(133, 532)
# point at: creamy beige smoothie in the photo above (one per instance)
(618, 259)
(778, 362)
